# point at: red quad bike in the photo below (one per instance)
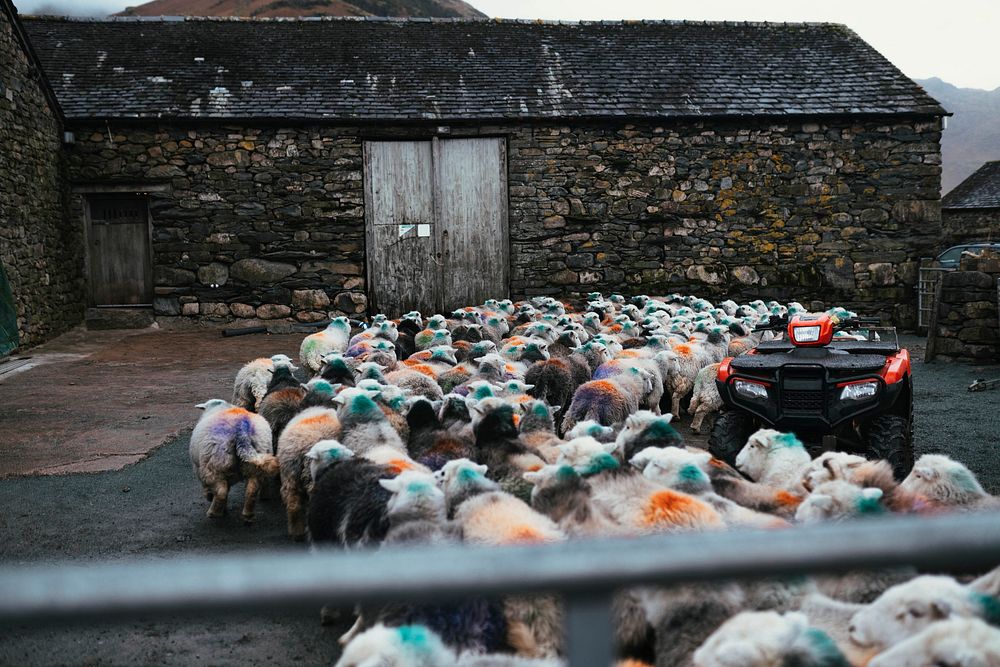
(834, 393)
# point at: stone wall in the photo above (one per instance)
(41, 249)
(253, 223)
(966, 225)
(838, 212)
(274, 217)
(968, 322)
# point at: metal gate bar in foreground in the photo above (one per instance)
(585, 572)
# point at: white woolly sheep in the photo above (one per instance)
(705, 399)
(957, 642)
(838, 500)
(302, 432)
(250, 385)
(775, 459)
(906, 609)
(767, 638)
(416, 646)
(334, 338)
(945, 482)
(230, 444)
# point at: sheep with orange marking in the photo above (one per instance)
(228, 445)
(488, 516)
(686, 470)
(609, 401)
(302, 432)
(629, 499)
(250, 385)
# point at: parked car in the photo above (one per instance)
(950, 258)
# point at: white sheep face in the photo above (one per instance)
(579, 452)
(414, 492)
(944, 480)
(675, 468)
(751, 639)
(752, 459)
(832, 501)
(906, 609)
(830, 466)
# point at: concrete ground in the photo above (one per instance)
(102, 400)
(59, 417)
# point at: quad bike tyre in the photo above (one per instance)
(890, 437)
(729, 435)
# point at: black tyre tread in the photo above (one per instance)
(728, 436)
(890, 437)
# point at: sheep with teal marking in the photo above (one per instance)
(769, 639)
(775, 459)
(838, 500)
(363, 424)
(334, 338)
(947, 484)
(229, 445)
(686, 470)
(908, 608)
(418, 646)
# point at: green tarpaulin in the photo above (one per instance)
(8, 316)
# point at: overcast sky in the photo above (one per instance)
(956, 40)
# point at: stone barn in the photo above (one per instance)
(223, 170)
(971, 211)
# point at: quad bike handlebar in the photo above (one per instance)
(780, 323)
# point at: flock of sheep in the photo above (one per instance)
(530, 422)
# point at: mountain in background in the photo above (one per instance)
(973, 133)
(285, 8)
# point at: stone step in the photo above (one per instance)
(98, 319)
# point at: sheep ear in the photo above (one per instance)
(202, 406)
(609, 447)
(821, 500)
(871, 493)
(532, 476)
(940, 608)
(481, 468)
(643, 457)
(390, 485)
(927, 472)
(528, 387)
(828, 464)
(555, 408)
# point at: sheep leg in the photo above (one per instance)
(675, 404)
(220, 494)
(355, 630)
(699, 417)
(250, 499)
(296, 515)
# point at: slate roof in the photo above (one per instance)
(981, 190)
(8, 8)
(448, 69)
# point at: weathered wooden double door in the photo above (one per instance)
(436, 216)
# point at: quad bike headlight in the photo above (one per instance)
(859, 391)
(749, 389)
(806, 334)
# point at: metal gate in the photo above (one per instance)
(436, 223)
(926, 286)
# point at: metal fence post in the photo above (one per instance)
(589, 641)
